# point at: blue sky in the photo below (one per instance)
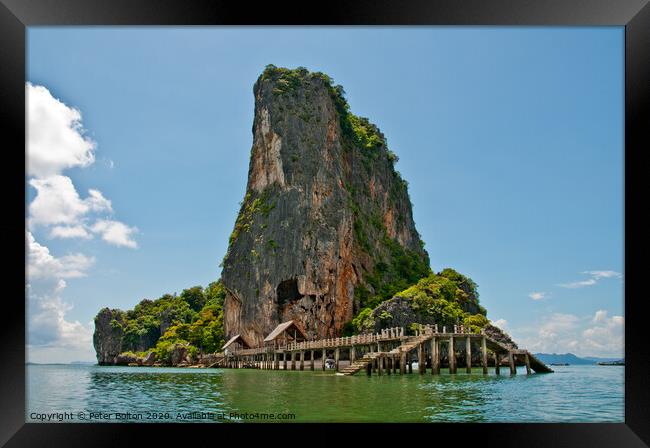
(511, 140)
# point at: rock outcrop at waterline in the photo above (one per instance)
(326, 224)
(108, 338)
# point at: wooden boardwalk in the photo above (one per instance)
(389, 351)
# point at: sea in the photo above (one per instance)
(103, 394)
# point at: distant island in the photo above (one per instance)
(571, 359)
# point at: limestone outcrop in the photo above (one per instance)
(326, 223)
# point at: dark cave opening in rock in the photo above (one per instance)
(287, 291)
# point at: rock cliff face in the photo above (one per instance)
(109, 340)
(326, 222)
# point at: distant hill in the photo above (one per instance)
(594, 359)
(570, 358)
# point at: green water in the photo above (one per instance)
(149, 394)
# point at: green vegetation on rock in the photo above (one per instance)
(447, 298)
(193, 319)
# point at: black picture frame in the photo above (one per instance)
(16, 15)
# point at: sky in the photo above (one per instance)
(511, 140)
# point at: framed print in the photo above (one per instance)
(416, 218)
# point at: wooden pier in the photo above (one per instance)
(387, 352)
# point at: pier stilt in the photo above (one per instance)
(468, 354)
(484, 355)
(497, 363)
(527, 360)
(402, 363)
(302, 360)
(511, 360)
(422, 360)
(293, 360)
(284, 360)
(380, 361)
(311, 361)
(336, 359)
(323, 359)
(435, 356)
(452, 355)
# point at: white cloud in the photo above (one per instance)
(52, 336)
(595, 276)
(557, 326)
(70, 232)
(603, 274)
(600, 316)
(43, 265)
(579, 284)
(56, 202)
(55, 135)
(116, 233)
(606, 335)
(97, 202)
(50, 329)
(537, 295)
(56, 142)
(594, 335)
(501, 323)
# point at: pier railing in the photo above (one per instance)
(388, 334)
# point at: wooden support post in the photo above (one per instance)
(527, 359)
(511, 360)
(369, 369)
(497, 363)
(324, 358)
(284, 360)
(468, 354)
(484, 355)
(336, 359)
(402, 363)
(389, 364)
(311, 361)
(422, 361)
(452, 356)
(379, 365)
(302, 360)
(352, 355)
(394, 361)
(293, 360)
(409, 362)
(435, 356)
